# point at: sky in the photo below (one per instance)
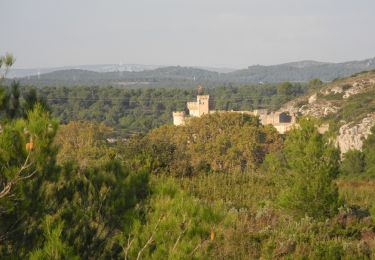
(217, 33)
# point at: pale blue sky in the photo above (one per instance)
(224, 33)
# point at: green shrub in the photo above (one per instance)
(328, 250)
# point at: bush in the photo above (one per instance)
(331, 250)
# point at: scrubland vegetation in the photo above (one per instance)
(221, 187)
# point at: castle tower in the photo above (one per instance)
(203, 104)
(193, 108)
(178, 118)
(196, 109)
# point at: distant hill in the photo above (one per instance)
(19, 73)
(301, 71)
(177, 76)
(174, 76)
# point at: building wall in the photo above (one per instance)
(200, 107)
(280, 120)
(203, 104)
(276, 118)
(178, 118)
(260, 112)
(283, 127)
(193, 108)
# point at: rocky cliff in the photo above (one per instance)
(351, 136)
(348, 104)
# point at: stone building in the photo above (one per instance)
(200, 107)
(282, 121)
(179, 118)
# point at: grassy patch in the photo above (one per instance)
(358, 192)
(236, 190)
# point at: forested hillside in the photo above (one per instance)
(139, 110)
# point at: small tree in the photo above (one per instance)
(6, 62)
(369, 152)
(285, 89)
(312, 166)
(315, 83)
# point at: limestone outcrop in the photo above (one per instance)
(318, 109)
(351, 136)
(332, 100)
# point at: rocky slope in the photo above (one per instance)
(348, 105)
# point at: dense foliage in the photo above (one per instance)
(83, 142)
(220, 142)
(138, 200)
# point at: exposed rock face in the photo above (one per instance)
(331, 99)
(359, 87)
(313, 98)
(351, 136)
(351, 88)
(318, 109)
(337, 90)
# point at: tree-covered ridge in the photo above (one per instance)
(139, 110)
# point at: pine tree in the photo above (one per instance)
(312, 166)
(53, 246)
